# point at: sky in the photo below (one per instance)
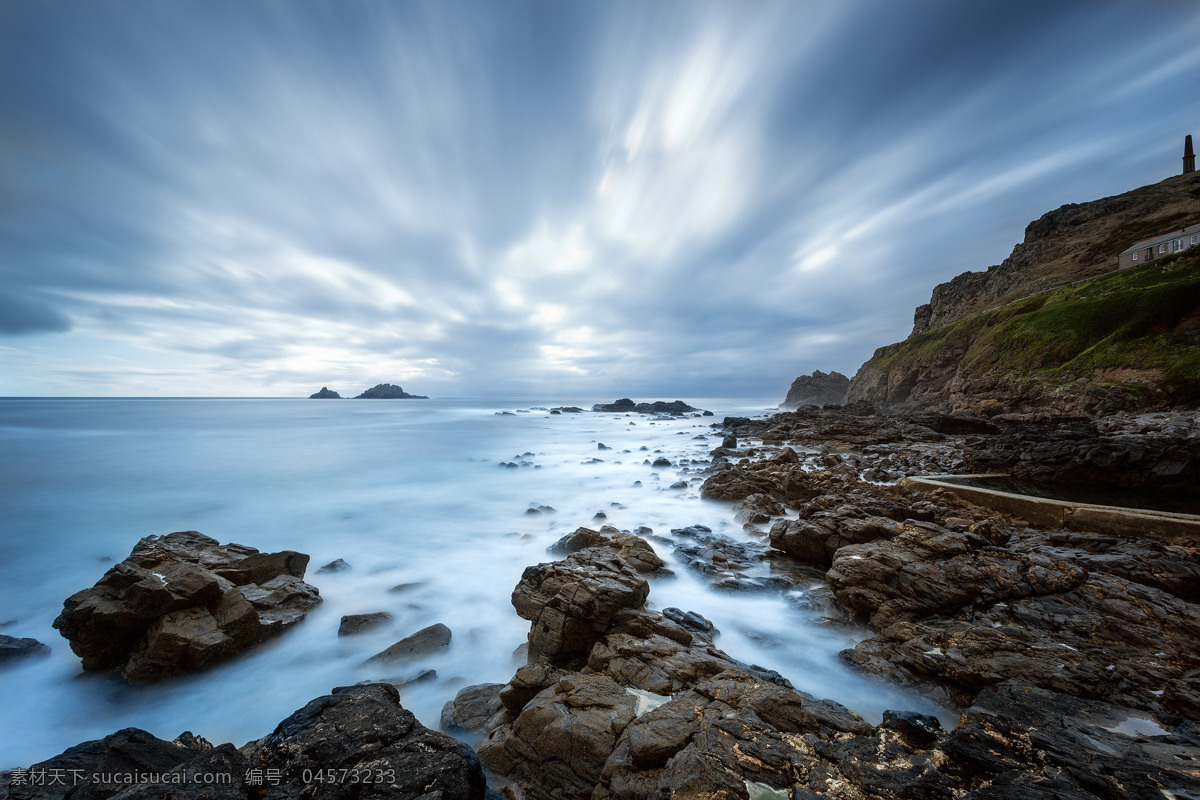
(650, 199)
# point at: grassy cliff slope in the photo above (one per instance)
(1125, 340)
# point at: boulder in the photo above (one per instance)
(352, 624)
(475, 709)
(424, 642)
(572, 602)
(634, 550)
(182, 602)
(363, 730)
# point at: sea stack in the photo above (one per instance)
(325, 394)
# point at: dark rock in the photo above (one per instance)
(691, 621)
(662, 462)
(180, 782)
(920, 730)
(818, 389)
(127, 751)
(352, 624)
(182, 602)
(14, 649)
(364, 729)
(389, 391)
(325, 394)
(625, 405)
(337, 565)
(427, 641)
(679, 485)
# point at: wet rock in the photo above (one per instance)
(475, 709)
(13, 649)
(563, 736)
(634, 550)
(425, 642)
(572, 602)
(337, 565)
(759, 508)
(661, 462)
(692, 622)
(182, 602)
(1092, 749)
(352, 624)
(364, 728)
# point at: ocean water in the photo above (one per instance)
(407, 492)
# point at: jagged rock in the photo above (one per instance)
(180, 784)
(818, 389)
(634, 550)
(337, 565)
(364, 728)
(572, 602)
(927, 570)
(475, 709)
(389, 391)
(14, 649)
(1089, 749)
(182, 602)
(325, 394)
(820, 536)
(562, 738)
(352, 624)
(427, 641)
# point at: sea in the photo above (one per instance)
(436, 494)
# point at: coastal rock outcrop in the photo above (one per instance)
(325, 394)
(388, 391)
(357, 743)
(182, 602)
(818, 389)
(633, 550)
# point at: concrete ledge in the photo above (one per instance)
(1042, 512)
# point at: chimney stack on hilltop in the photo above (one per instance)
(1189, 158)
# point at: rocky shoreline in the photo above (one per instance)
(1071, 658)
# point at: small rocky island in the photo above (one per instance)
(625, 405)
(388, 391)
(325, 394)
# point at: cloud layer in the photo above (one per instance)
(472, 198)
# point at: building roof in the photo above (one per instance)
(1163, 238)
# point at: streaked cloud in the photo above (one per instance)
(464, 197)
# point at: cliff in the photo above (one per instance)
(818, 389)
(1127, 340)
(1071, 243)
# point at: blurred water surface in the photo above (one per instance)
(407, 492)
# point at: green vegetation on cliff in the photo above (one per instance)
(1145, 319)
